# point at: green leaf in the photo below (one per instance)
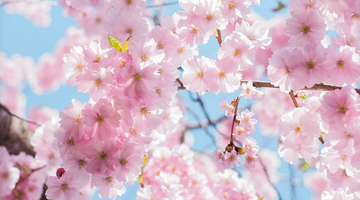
(115, 43)
(126, 46)
(280, 6)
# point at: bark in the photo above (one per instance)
(14, 134)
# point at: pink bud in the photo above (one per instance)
(60, 172)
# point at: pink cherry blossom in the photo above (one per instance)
(305, 26)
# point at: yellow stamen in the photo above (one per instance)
(79, 67)
(199, 75)
(340, 64)
(194, 30)
(287, 69)
(129, 31)
(98, 82)
(232, 5)
(123, 162)
(97, 58)
(342, 108)
(64, 187)
(102, 155)
(305, 29)
(144, 57)
(81, 163)
(237, 53)
(100, 119)
(145, 111)
(222, 74)
(209, 17)
(137, 77)
(298, 128)
(310, 64)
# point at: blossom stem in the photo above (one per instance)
(293, 99)
(219, 37)
(267, 176)
(233, 122)
(22, 119)
(318, 86)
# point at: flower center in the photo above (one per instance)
(144, 57)
(340, 64)
(145, 111)
(97, 58)
(305, 29)
(77, 120)
(102, 155)
(70, 142)
(100, 119)
(287, 69)
(222, 74)
(249, 159)
(64, 187)
(98, 82)
(209, 17)
(194, 30)
(129, 31)
(342, 109)
(199, 75)
(109, 180)
(160, 45)
(128, 2)
(123, 162)
(122, 63)
(237, 53)
(180, 50)
(81, 163)
(310, 64)
(5, 175)
(232, 5)
(137, 77)
(79, 67)
(132, 131)
(158, 91)
(298, 128)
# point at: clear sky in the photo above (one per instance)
(18, 35)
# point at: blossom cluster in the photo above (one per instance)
(176, 174)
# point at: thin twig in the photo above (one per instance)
(23, 119)
(267, 84)
(164, 4)
(267, 176)
(320, 86)
(219, 37)
(293, 99)
(233, 122)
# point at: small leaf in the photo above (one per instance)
(126, 46)
(115, 43)
(280, 6)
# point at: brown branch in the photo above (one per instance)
(267, 176)
(293, 99)
(233, 122)
(23, 119)
(14, 136)
(181, 87)
(219, 37)
(267, 84)
(320, 86)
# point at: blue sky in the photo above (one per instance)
(18, 35)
